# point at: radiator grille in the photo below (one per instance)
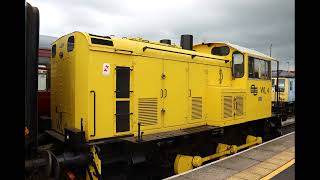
(239, 105)
(196, 108)
(227, 106)
(148, 111)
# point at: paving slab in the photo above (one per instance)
(237, 163)
(274, 147)
(211, 173)
(247, 175)
(258, 154)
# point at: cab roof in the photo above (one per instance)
(241, 49)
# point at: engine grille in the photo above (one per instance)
(196, 108)
(148, 111)
(227, 106)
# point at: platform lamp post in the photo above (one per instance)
(270, 49)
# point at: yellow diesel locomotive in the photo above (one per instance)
(133, 108)
(106, 86)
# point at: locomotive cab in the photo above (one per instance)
(247, 95)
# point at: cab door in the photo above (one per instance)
(101, 98)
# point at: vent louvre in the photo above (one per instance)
(196, 108)
(227, 106)
(148, 111)
(101, 42)
(239, 107)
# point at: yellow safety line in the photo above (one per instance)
(279, 170)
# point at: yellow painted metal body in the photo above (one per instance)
(185, 163)
(168, 90)
(222, 148)
(250, 141)
(182, 163)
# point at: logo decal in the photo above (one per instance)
(106, 69)
(254, 90)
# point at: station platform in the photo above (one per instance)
(270, 160)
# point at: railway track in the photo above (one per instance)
(288, 126)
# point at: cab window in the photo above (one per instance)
(251, 68)
(237, 65)
(220, 51)
(70, 44)
(258, 68)
(53, 50)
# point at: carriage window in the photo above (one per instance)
(281, 85)
(70, 45)
(290, 85)
(273, 81)
(42, 78)
(237, 65)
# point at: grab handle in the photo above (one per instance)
(94, 113)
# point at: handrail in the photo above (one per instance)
(192, 55)
(94, 113)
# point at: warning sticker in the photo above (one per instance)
(106, 69)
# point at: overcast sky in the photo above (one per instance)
(250, 23)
